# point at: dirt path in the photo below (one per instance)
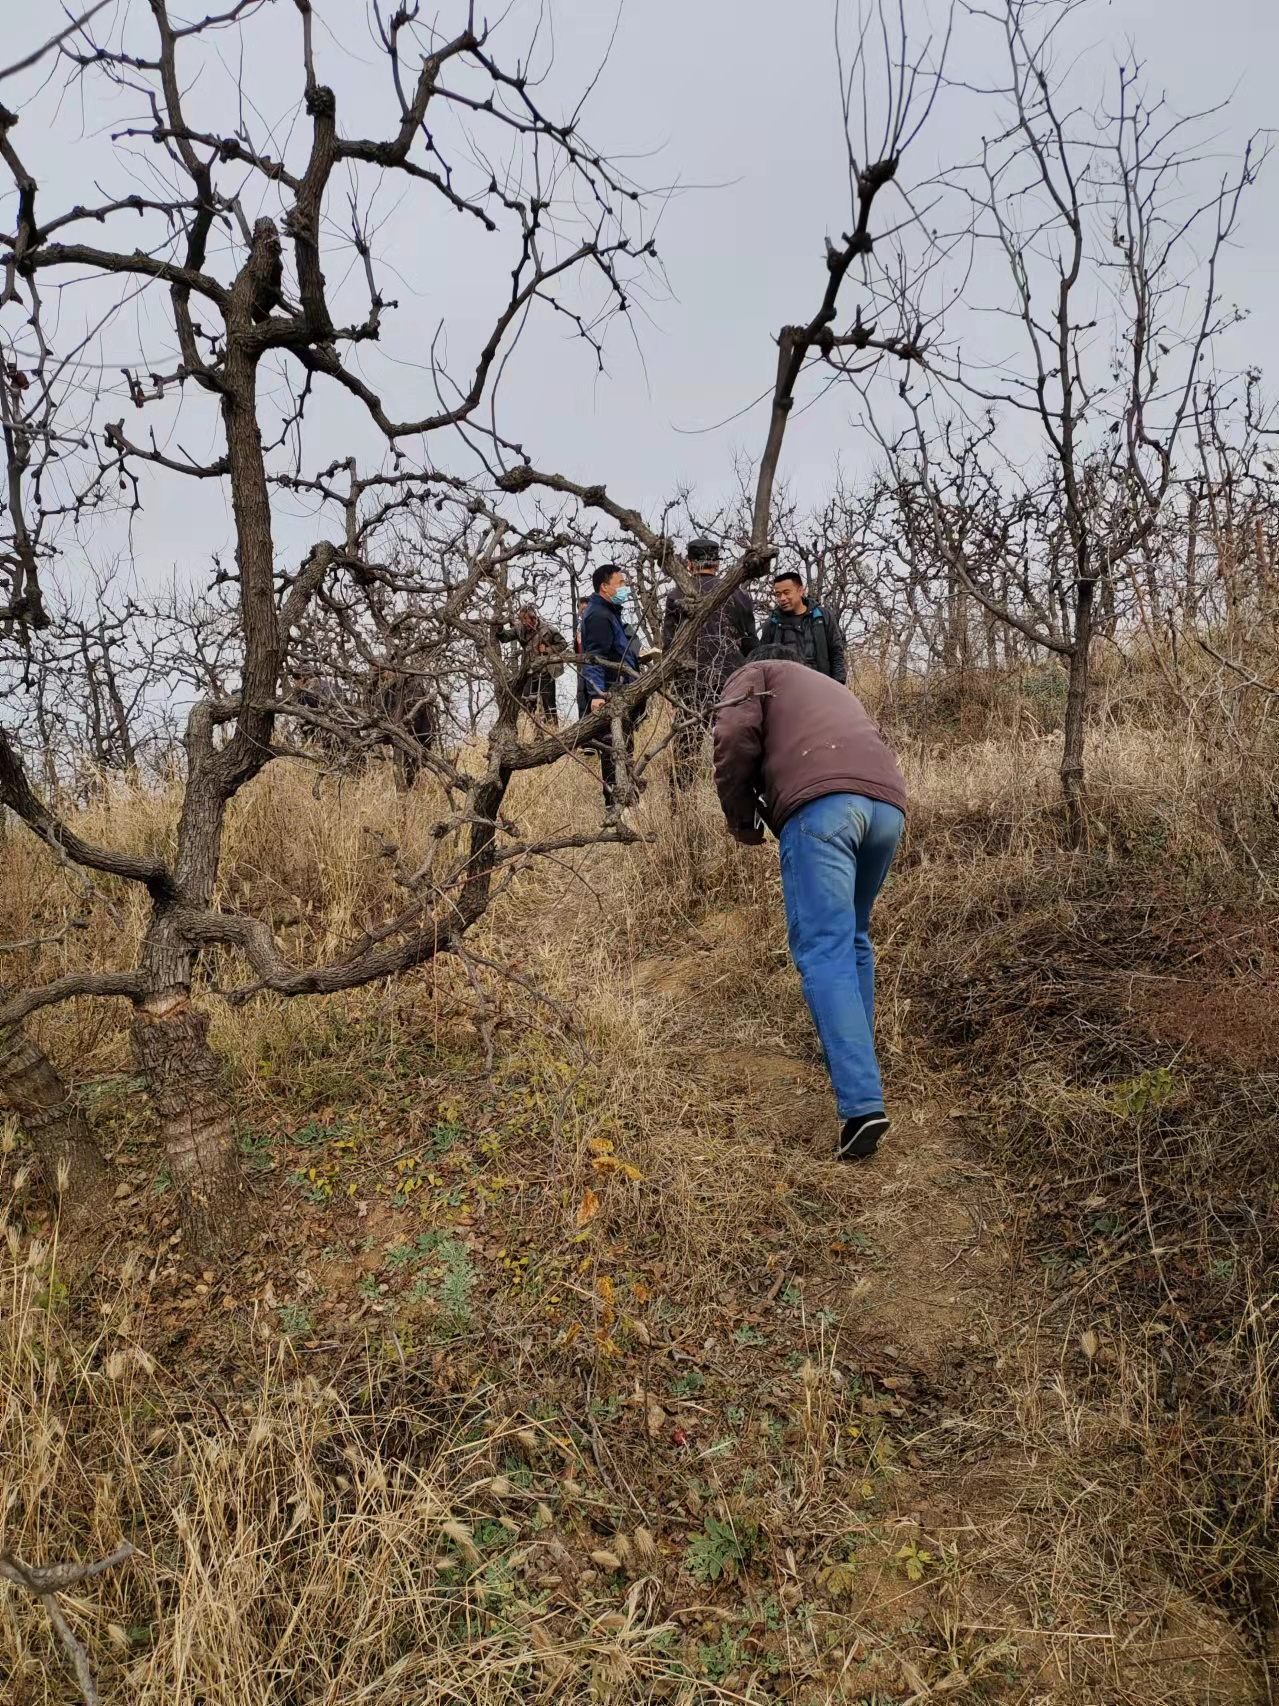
(907, 1261)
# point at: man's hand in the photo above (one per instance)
(597, 704)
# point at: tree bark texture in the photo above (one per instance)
(1072, 758)
(70, 1160)
(183, 1079)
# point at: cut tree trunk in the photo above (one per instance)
(70, 1160)
(1072, 758)
(184, 1080)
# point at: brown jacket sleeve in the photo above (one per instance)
(739, 756)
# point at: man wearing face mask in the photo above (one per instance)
(610, 660)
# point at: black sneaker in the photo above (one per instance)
(860, 1137)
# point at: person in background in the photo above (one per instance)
(610, 660)
(809, 633)
(723, 640)
(317, 693)
(796, 753)
(583, 691)
(406, 700)
(538, 641)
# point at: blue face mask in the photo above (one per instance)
(622, 595)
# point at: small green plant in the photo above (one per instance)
(453, 1291)
(688, 1385)
(720, 1659)
(1108, 1225)
(1148, 1090)
(749, 1336)
(839, 1578)
(913, 1561)
(295, 1321)
(455, 1288)
(313, 1185)
(721, 1550)
(258, 1151)
(442, 1139)
(315, 1132)
(54, 1296)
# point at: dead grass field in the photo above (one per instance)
(592, 1378)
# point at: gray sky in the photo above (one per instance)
(739, 110)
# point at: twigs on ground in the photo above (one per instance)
(46, 1582)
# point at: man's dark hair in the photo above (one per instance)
(765, 654)
(605, 572)
(789, 575)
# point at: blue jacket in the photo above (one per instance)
(610, 654)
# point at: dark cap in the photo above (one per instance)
(703, 551)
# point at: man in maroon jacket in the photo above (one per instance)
(796, 753)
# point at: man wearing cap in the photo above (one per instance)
(723, 640)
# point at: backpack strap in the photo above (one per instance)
(821, 639)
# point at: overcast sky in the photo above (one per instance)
(734, 103)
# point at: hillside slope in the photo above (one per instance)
(592, 1377)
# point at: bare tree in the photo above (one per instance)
(1032, 504)
(244, 299)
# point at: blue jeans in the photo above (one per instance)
(835, 855)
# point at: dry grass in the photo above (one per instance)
(516, 1347)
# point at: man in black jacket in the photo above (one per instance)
(610, 661)
(721, 644)
(406, 702)
(810, 634)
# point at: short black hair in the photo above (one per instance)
(789, 575)
(767, 654)
(605, 572)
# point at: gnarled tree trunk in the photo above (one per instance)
(70, 1160)
(184, 1081)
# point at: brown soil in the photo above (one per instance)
(1235, 1023)
(908, 1256)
